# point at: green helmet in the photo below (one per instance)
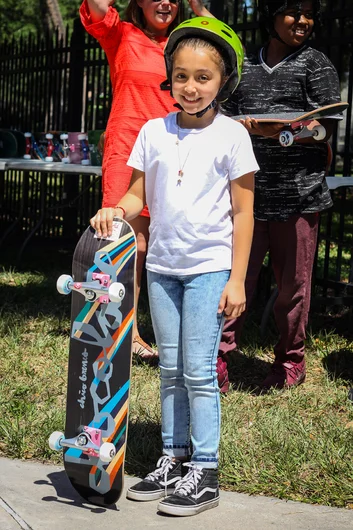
(214, 31)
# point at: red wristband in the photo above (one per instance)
(122, 209)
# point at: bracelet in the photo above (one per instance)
(122, 209)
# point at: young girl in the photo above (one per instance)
(134, 49)
(286, 75)
(195, 168)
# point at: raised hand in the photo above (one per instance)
(268, 130)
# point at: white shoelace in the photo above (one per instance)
(190, 481)
(164, 465)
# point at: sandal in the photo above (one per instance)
(143, 350)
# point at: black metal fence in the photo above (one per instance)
(47, 204)
(51, 83)
(62, 84)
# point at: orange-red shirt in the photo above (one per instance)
(136, 69)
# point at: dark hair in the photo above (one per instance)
(196, 42)
(134, 14)
(268, 10)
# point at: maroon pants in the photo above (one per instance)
(292, 246)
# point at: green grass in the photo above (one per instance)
(295, 445)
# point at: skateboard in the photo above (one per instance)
(36, 146)
(77, 141)
(12, 144)
(297, 123)
(65, 149)
(83, 139)
(102, 316)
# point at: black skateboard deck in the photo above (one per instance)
(8, 144)
(102, 315)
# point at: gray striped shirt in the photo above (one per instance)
(291, 180)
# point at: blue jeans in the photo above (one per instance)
(188, 331)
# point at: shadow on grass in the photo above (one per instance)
(339, 320)
(32, 299)
(31, 290)
(43, 255)
(339, 365)
(144, 447)
(246, 373)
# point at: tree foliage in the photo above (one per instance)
(20, 17)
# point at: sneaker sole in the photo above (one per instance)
(145, 496)
(298, 382)
(185, 511)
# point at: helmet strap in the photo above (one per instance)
(165, 85)
(201, 113)
(212, 105)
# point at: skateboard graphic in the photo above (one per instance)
(297, 123)
(102, 315)
(78, 148)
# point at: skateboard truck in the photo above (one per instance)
(300, 130)
(89, 440)
(65, 148)
(99, 288)
(83, 139)
(28, 154)
(50, 147)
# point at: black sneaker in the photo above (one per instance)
(196, 492)
(160, 483)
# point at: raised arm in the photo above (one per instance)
(99, 8)
(199, 9)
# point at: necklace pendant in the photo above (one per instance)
(180, 173)
(179, 182)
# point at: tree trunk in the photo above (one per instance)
(52, 18)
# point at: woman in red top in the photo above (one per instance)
(134, 49)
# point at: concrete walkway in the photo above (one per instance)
(35, 496)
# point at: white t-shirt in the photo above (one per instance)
(191, 222)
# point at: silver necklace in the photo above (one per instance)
(181, 165)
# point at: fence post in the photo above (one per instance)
(75, 92)
(74, 123)
(217, 8)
